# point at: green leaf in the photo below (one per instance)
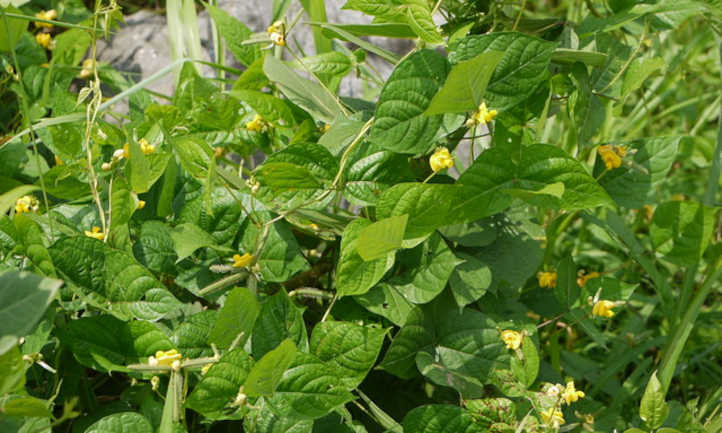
(282, 257)
(13, 367)
(440, 419)
(526, 369)
(387, 30)
(567, 290)
(418, 17)
(653, 409)
(400, 124)
(237, 317)
(279, 319)
(33, 241)
(11, 29)
(634, 184)
(155, 248)
(332, 63)
(681, 231)
(124, 422)
(354, 275)
(309, 389)
(220, 385)
(470, 280)
(195, 155)
(234, 33)
(566, 55)
(429, 267)
(269, 107)
(350, 349)
(265, 421)
(129, 288)
(465, 86)
(265, 375)
(105, 343)
(191, 338)
(371, 171)
(639, 70)
(309, 95)
(376, 240)
(187, 238)
(24, 298)
(385, 300)
(522, 69)
(25, 406)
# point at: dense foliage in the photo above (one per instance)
(518, 230)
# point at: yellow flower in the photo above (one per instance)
(612, 155)
(553, 417)
(166, 358)
(257, 124)
(46, 15)
(547, 279)
(570, 394)
(95, 233)
(512, 339)
(146, 147)
(86, 69)
(43, 39)
(27, 203)
(325, 128)
(205, 368)
(481, 116)
(58, 161)
(441, 159)
(603, 308)
(241, 261)
(141, 204)
(582, 280)
(277, 33)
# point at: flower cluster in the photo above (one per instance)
(257, 124)
(277, 33)
(46, 15)
(44, 39)
(512, 339)
(167, 358)
(603, 308)
(553, 416)
(481, 116)
(95, 233)
(441, 159)
(27, 203)
(547, 279)
(612, 155)
(241, 261)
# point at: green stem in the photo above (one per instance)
(714, 172)
(222, 283)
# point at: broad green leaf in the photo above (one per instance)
(265, 421)
(341, 33)
(373, 170)
(155, 248)
(279, 319)
(33, 242)
(653, 409)
(234, 33)
(281, 258)
(129, 289)
(522, 69)
(400, 124)
(385, 300)
(465, 86)
(470, 280)
(429, 267)
(638, 71)
(220, 385)
(13, 367)
(634, 184)
(681, 231)
(144, 170)
(11, 29)
(24, 298)
(17, 405)
(309, 389)
(124, 422)
(191, 338)
(387, 30)
(490, 411)
(526, 369)
(376, 240)
(236, 318)
(309, 95)
(566, 55)
(350, 349)
(567, 290)
(187, 238)
(418, 17)
(513, 258)
(269, 107)
(332, 63)
(221, 220)
(195, 155)
(440, 419)
(354, 275)
(265, 375)
(105, 343)
(122, 204)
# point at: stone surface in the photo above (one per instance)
(141, 46)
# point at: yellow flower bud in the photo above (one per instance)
(241, 261)
(95, 233)
(43, 39)
(141, 204)
(603, 308)
(441, 159)
(481, 116)
(257, 124)
(146, 147)
(612, 155)
(512, 339)
(27, 203)
(46, 15)
(547, 279)
(552, 417)
(570, 394)
(582, 280)
(165, 358)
